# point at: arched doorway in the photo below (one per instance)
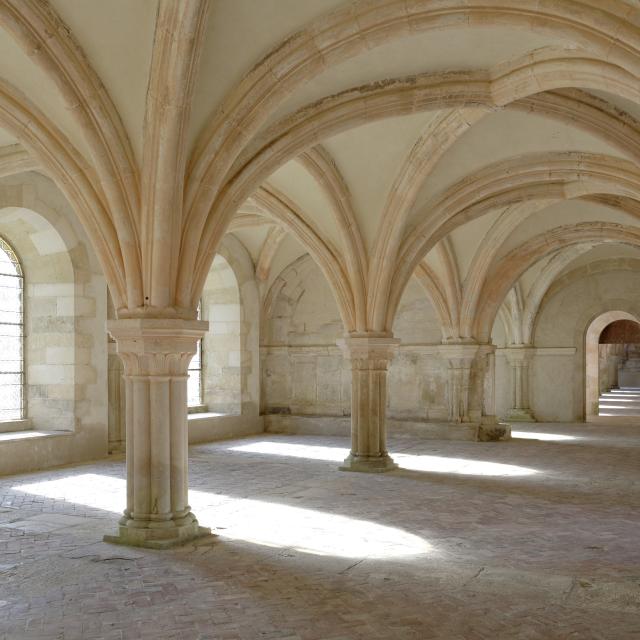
(612, 352)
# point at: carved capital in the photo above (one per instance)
(156, 346)
(459, 356)
(369, 351)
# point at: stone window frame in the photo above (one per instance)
(11, 253)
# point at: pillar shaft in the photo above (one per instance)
(370, 357)
(459, 358)
(156, 355)
(487, 357)
(519, 359)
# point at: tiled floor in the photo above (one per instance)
(532, 539)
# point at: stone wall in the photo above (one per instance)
(222, 353)
(65, 338)
(572, 303)
(230, 363)
(304, 373)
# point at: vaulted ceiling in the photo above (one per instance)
(485, 147)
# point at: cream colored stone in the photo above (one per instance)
(156, 354)
(291, 168)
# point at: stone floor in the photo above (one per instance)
(620, 402)
(533, 539)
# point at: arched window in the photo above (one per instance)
(194, 383)
(11, 335)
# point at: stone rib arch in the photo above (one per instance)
(485, 255)
(250, 172)
(345, 33)
(435, 291)
(602, 266)
(452, 282)
(455, 90)
(176, 51)
(546, 177)
(287, 213)
(433, 143)
(514, 305)
(296, 273)
(533, 301)
(517, 261)
(65, 166)
(43, 35)
(319, 163)
(268, 252)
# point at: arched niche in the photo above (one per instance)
(49, 318)
(231, 351)
(65, 312)
(592, 365)
(221, 351)
(303, 372)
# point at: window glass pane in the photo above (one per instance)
(11, 335)
(194, 383)
(193, 389)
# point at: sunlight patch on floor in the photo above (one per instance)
(255, 521)
(435, 464)
(551, 437)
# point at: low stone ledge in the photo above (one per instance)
(33, 450)
(209, 427)
(341, 426)
(30, 434)
(8, 426)
(307, 425)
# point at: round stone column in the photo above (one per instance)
(156, 355)
(370, 356)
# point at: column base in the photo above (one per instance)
(152, 535)
(494, 432)
(520, 415)
(369, 464)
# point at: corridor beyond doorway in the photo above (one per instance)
(620, 402)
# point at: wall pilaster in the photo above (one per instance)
(519, 359)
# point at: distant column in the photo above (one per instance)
(370, 356)
(519, 359)
(459, 358)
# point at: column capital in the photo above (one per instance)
(459, 355)
(519, 354)
(156, 346)
(369, 347)
(486, 349)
